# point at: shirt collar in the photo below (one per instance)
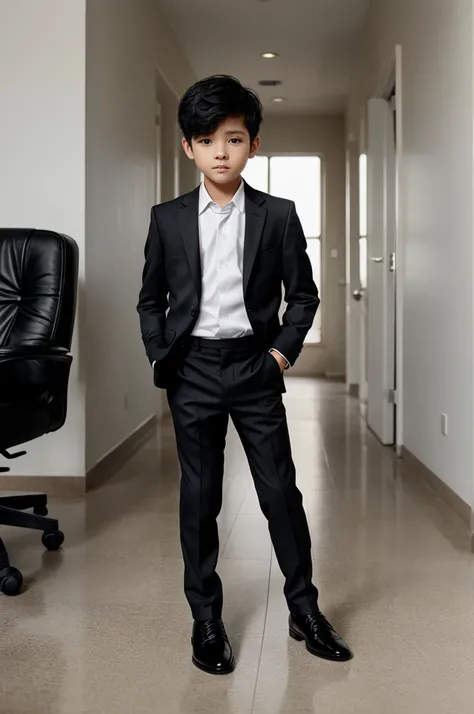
(238, 200)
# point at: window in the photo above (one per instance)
(256, 173)
(363, 220)
(298, 178)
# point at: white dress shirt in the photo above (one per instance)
(221, 240)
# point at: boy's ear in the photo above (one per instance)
(254, 146)
(187, 148)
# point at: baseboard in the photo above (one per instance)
(354, 390)
(451, 498)
(51, 485)
(335, 377)
(114, 460)
(65, 486)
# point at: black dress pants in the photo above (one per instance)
(217, 379)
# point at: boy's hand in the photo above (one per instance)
(279, 359)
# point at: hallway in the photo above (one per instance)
(103, 627)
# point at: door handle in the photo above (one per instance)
(358, 295)
(376, 259)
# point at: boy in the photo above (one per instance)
(215, 260)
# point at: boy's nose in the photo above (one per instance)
(221, 154)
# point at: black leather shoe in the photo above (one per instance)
(211, 647)
(321, 638)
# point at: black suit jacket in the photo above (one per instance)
(274, 252)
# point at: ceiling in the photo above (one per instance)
(316, 41)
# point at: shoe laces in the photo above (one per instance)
(211, 630)
(316, 621)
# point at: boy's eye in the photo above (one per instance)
(236, 141)
(206, 142)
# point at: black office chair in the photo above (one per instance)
(38, 293)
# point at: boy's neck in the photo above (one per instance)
(222, 194)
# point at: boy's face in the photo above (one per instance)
(223, 155)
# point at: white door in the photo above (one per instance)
(380, 296)
(363, 385)
(359, 294)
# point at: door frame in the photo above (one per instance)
(393, 76)
(353, 326)
(158, 151)
(472, 492)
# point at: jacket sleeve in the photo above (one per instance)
(301, 293)
(153, 298)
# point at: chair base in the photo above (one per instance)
(22, 502)
(12, 514)
(8, 455)
(11, 579)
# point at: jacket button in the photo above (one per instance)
(194, 311)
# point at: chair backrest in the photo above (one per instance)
(38, 287)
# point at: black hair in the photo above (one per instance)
(212, 100)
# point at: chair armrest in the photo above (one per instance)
(33, 371)
(34, 352)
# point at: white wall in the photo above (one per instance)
(323, 135)
(127, 41)
(188, 174)
(91, 175)
(437, 224)
(42, 127)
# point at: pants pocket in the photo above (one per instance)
(273, 372)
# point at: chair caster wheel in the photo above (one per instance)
(40, 511)
(53, 541)
(11, 581)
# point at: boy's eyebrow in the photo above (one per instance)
(228, 133)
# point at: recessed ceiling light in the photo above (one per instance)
(269, 82)
(269, 55)
(278, 99)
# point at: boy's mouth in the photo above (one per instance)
(221, 169)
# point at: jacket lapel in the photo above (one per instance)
(189, 224)
(255, 218)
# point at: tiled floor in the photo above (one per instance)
(103, 628)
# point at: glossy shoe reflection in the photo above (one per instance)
(321, 638)
(211, 647)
